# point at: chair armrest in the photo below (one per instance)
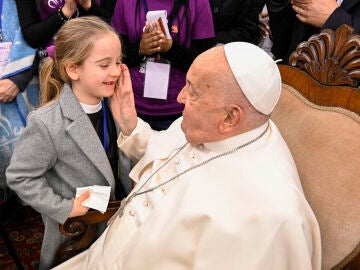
(82, 230)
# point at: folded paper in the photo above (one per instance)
(99, 197)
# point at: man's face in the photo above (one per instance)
(203, 110)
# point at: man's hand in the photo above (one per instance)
(78, 209)
(314, 12)
(122, 103)
(8, 90)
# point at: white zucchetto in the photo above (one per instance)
(256, 73)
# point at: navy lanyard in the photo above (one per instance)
(1, 6)
(146, 7)
(104, 124)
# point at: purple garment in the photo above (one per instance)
(49, 8)
(123, 21)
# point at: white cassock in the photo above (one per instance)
(245, 210)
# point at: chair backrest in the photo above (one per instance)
(318, 115)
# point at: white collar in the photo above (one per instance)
(91, 108)
(237, 140)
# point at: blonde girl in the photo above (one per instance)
(70, 141)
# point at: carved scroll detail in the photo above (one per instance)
(331, 57)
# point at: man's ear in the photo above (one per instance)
(72, 71)
(231, 119)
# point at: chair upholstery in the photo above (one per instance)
(320, 120)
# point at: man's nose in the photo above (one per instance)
(181, 96)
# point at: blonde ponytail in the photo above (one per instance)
(50, 82)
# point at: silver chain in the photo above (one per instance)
(125, 202)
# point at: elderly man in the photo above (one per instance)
(217, 190)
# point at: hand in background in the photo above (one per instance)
(69, 8)
(264, 25)
(165, 44)
(78, 209)
(314, 12)
(8, 90)
(153, 40)
(86, 4)
(122, 103)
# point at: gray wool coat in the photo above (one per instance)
(57, 152)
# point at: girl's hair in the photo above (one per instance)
(73, 44)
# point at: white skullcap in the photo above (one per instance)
(256, 73)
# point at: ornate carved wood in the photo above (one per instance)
(82, 231)
(325, 70)
(331, 57)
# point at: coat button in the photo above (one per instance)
(132, 213)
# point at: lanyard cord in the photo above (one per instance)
(104, 124)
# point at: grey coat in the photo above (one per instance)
(57, 152)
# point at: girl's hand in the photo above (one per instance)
(122, 103)
(78, 209)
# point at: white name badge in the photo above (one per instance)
(5, 48)
(156, 80)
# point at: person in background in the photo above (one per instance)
(70, 141)
(295, 21)
(41, 19)
(191, 29)
(219, 189)
(235, 20)
(19, 86)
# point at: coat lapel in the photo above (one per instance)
(348, 4)
(84, 135)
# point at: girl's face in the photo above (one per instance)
(97, 76)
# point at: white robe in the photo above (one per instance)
(245, 210)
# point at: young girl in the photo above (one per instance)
(70, 141)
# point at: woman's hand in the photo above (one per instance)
(78, 209)
(8, 90)
(122, 103)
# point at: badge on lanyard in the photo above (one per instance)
(157, 77)
(5, 48)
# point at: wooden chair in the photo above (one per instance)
(318, 114)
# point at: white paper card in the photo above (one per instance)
(5, 48)
(99, 197)
(154, 15)
(156, 80)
